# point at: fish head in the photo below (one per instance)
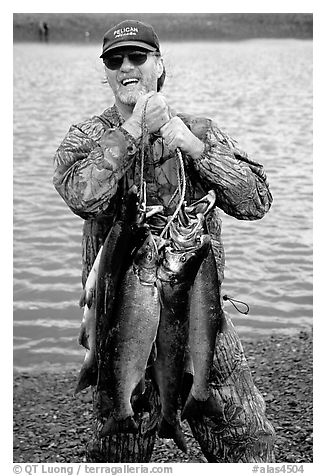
(184, 237)
(145, 260)
(183, 265)
(146, 255)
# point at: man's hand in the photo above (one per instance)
(156, 115)
(176, 134)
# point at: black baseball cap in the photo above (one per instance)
(130, 33)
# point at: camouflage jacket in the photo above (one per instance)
(97, 157)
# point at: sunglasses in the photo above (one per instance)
(137, 58)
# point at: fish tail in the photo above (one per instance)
(196, 408)
(113, 426)
(87, 377)
(166, 430)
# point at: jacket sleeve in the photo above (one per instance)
(240, 183)
(89, 164)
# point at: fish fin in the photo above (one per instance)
(87, 297)
(87, 376)
(83, 338)
(82, 299)
(151, 374)
(166, 430)
(113, 426)
(90, 297)
(140, 388)
(152, 355)
(196, 408)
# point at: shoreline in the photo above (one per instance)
(90, 27)
(50, 425)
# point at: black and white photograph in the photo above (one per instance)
(162, 240)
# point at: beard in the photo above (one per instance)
(129, 98)
(129, 95)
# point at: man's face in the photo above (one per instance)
(129, 81)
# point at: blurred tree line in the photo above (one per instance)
(78, 27)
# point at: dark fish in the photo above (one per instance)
(176, 274)
(206, 320)
(115, 260)
(101, 286)
(206, 315)
(137, 315)
(88, 372)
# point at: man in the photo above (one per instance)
(100, 156)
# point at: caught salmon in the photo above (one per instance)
(115, 260)
(206, 315)
(176, 275)
(98, 295)
(206, 320)
(87, 335)
(137, 317)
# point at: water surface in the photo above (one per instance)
(259, 91)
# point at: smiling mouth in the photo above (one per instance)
(129, 81)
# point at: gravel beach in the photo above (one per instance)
(50, 425)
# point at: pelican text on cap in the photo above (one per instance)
(129, 30)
